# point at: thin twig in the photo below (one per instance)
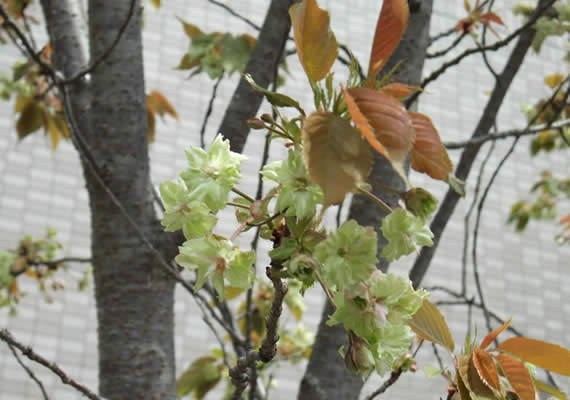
(7, 337)
(493, 47)
(29, 372)
(506, 134)
(443, 52)
(394, 376)
(209, 112)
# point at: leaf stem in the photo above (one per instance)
(376, 199)
(231, 203)
(325, 288)
(242, 194)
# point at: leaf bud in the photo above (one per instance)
(420, 202)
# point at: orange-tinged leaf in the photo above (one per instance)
(384, 122)
(543, 387)
(546, 355)
(316, 44)
(31, 119)
(21, 103)
(486, 368)
(400, 90)
(518, 376)
(429, 324)
(160, 105)
(336, 155)
(491, 17)
(470, 378)
(390, 28)
(428, 154)
(492, 335)
(191, 30)
(62, 125)
(156, 3)
(554, 80)
(251, 41)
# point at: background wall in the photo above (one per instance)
(526, 275)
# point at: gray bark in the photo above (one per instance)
(326, 376)
(486, 121)
(261, 66)
(134, 298)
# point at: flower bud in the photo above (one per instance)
(255, 123)
(358, 358)
(420, 202)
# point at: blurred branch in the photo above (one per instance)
(443, 52)
(506, 134)
(7, 337)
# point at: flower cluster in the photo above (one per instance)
(298, 196)
(190, 204)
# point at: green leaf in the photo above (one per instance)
(430, 371)
(294, 299)
(191, 30)
(276, 99)
(285, 251)
(200, 377)
(429, 324)
(404, 232)
(420, 202)
(336, 155)
(543, 387)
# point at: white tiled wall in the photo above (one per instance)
(524, 275)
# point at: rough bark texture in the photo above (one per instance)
(486, 121)
(261, 66)
(134, 299)
(326, 376)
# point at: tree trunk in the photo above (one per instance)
(326, 376)
(134, 299)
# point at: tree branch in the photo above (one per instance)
(266, 353)
(394, 376)
(468, 157)
(6, 337)
(540, 10)
(262, 62)
(29, 372)
(506, 134)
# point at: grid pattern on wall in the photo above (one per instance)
(524, 275)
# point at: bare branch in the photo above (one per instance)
(453, 45)
(493, 47)
(506, 134)
(394, 376)
(209, 111)
(29, 372)
(7, 337)
(486, 121)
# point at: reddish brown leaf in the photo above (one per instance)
(471, 379)
(315, 42)
(492, 335)
(486, 368)
(546, 355)
(390, 28)
(400, 90)
(465, 25)
(428, 153)
(491, 17)
(336, 155)
(518, 376)
(160, 105)
(383, 121)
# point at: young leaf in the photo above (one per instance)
(487, 370)
(390, 28)
(552, 81)
(31, 119)
(160, 105)
(400, 90)
(276, 99)
(202, 376)
(492, 335)
(470, 378)
(337, 157)
(316, 43)
(518, 376)
(384, 122)
(428, 154)
(461, 387)
(546, 355)
(404, 232)
(191, 30)
(51, 129)
(429, 324)
(543, 387)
